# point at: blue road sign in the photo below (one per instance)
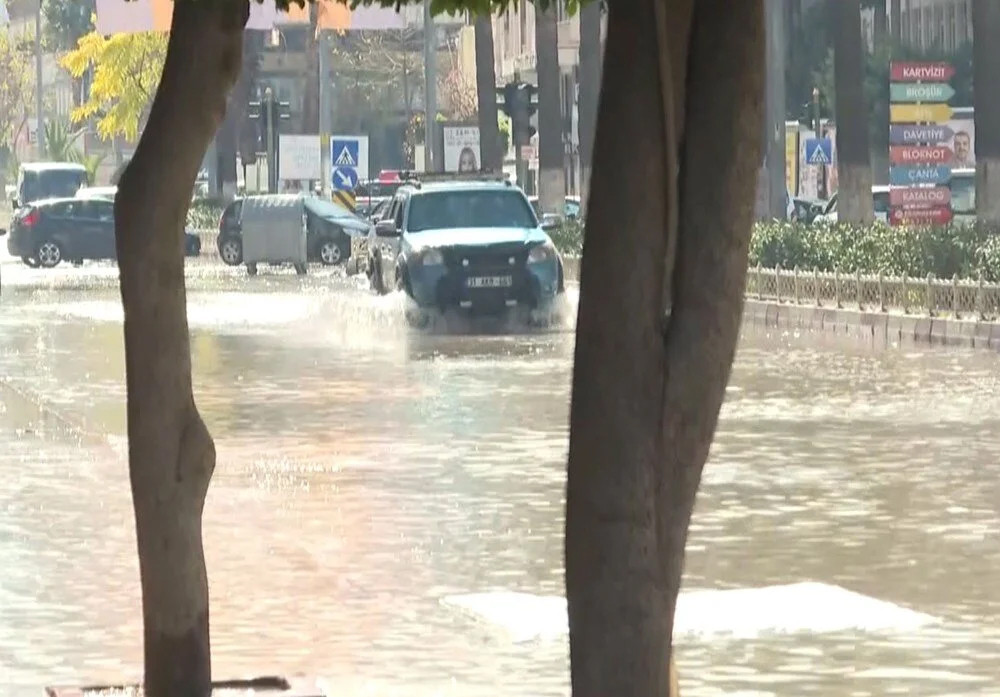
(919, 135)
(345, 152)
(819, 151)
(919, 174)
(345, 178)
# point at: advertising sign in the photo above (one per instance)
(920, 196)
(916, 71)
(940, 215)
(299, 157)
(461, 149)
(920, 154)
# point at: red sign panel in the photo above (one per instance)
(920, 154)
(920, 196)
(940, 215)
(915, 71)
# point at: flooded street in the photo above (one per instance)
(367, 473)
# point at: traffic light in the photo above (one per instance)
(268, 113)
(520, 102)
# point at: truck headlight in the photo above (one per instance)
(431, 257)
(542, 252)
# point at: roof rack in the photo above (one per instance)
(418, 178)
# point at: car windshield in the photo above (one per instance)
(472, 208)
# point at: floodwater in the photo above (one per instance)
(368, 473)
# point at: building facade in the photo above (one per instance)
(515, 58)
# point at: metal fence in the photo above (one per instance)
(930, 296)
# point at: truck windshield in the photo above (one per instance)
(463, 209)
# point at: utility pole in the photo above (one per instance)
(324, 111)
(39, 118)
(775, 109)
(430, 89)
(818, 128)
(268, 113)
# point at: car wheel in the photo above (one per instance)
(231, 251)
(48, 253)
(30, 262)
(251, 269)
(330, 252)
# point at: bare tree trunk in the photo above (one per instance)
(310, 101)
(551, 172)
(881, 23)
(171, 454)
(486, 82)
(896, 21)
(986, 66)
(590, 89)
(854, 170)
(667, 236)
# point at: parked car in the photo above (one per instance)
(42, 180)
(470, 245)
(806, 210)
(48, 232)
(329, 229)
(571, 207)
(880, 201)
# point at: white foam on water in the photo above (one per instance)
(745, 613)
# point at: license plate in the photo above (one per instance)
(489, 282)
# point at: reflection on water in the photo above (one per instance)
(367, 471)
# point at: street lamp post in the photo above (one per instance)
(39, 118)
(430, 89)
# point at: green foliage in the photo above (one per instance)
(16, 89)
(568, 237)
(945, 251)
(61, 140)
(204, 213)
(127, 70)
(66, 22)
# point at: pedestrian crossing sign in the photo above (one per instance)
(345, 153)
(819, 151)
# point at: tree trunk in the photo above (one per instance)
(590, 89)
(486, 82)
(881, 28)
(986, 66)
(551, 170)
(854, 170)
(896, 21)
(310, 101)
(667, 236)
(171, 454)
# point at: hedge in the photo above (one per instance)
(944, 251)
(204, 213)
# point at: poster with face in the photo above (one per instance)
(461, 149)
(963, 143)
